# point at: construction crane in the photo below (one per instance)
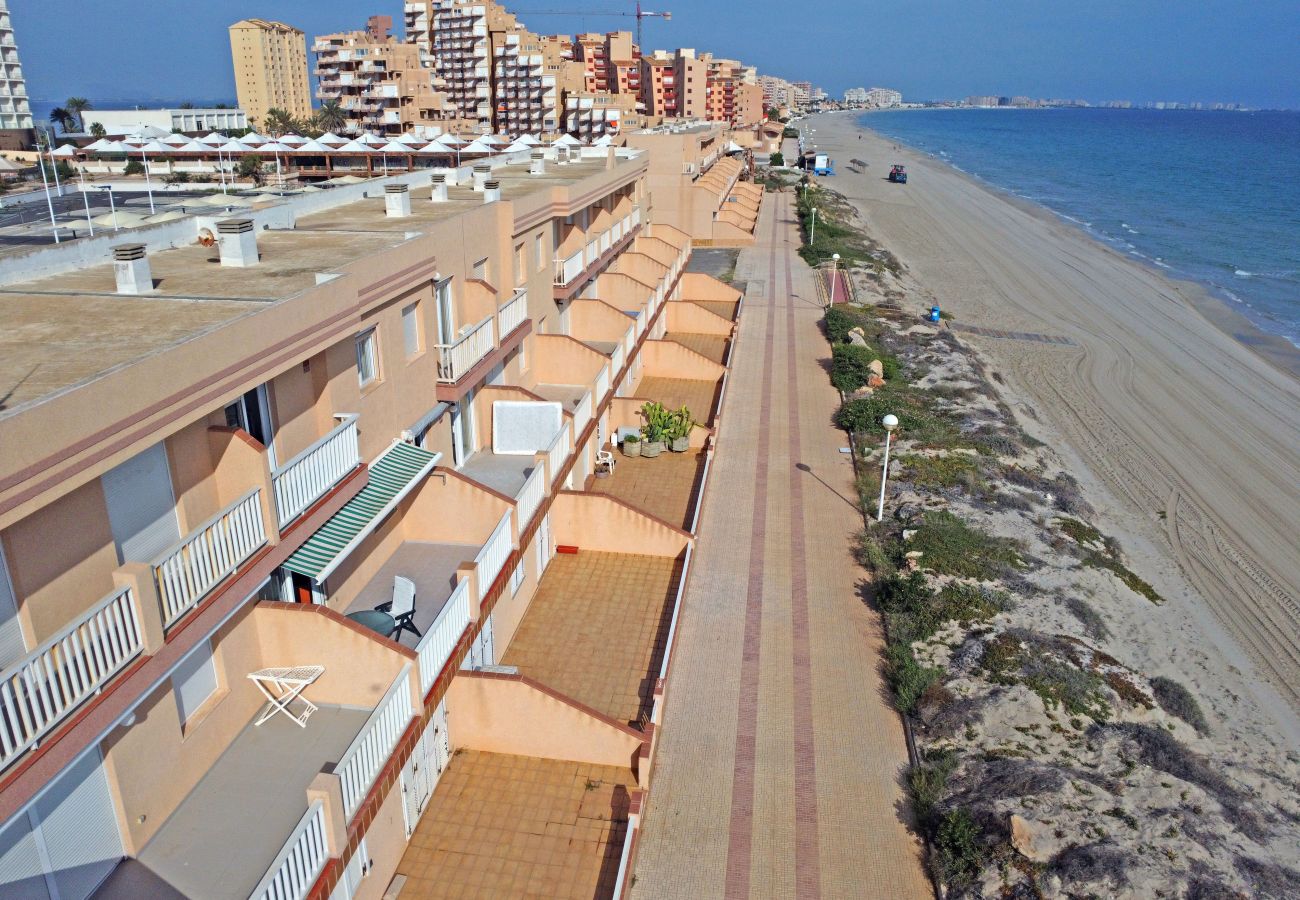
(640, 15)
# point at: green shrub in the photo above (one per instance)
(907, 677)
(850, 366)
(133, 167)
(943, 471)
(951, 547)
(927, 781)
(958, 856)
(1177, 700)
(776, 159)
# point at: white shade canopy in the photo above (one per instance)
(331, 138)
(369, 139)
(529, 140)
(100, 146)
(451, 140)
(394, 147)
(292, 139)
(192, 147)
(112, 147)
(154, 147)
(353, 147)
(567, 140)
(144, 132)
(517, 147)
(437, 148)
(493, 139)
(213, 137)
(175, 139)
(478, 147)
(313, 147)
(410, 139)
(602, 141)
(274, 147)
(252, 139)
(67, 150)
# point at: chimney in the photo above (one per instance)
(397, 200)
(131, 267)
(238, 242)
(491, 191)
(562, 153)
(537, 163)
(611, 158)
(481, 174)
(453, 177)
(439, 187)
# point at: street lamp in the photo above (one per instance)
(890, 422)
(112, 207)
(812, 232)
(148, 183)
(48, 202)
(835, 262)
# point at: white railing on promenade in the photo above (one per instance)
(312, 473)
(362, 762)
(568, 270)
(454, 360)
(558, 452)
(602, 382)
(299, 862)
(656, 712)
(51, 681)
(512, 315)
(493, 556)
(434, 649)
(202, 560)
(530, 496)
(582, 413)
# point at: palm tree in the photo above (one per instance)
(61, 116)
(277, 122)
(98, 130)
(77, 106)
(331, 116)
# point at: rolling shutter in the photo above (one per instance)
(22, 876)
(12, 646)
(141, 508)
(79, 828)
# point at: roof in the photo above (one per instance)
(392, 476)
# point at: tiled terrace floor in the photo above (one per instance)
(698, 396)
(712, 346)
(515, 826)
(665, 487)
(724, 308)
(596, 629)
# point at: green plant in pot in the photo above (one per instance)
(632, 445)
(654, 433)
(679, 430)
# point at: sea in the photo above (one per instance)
(1208, 196)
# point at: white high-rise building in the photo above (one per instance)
(15, 112)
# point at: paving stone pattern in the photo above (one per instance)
(780, 763)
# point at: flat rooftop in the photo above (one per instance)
(597, 628)
(517, 826)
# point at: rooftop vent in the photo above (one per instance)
(397, 201)
(131, 268)
(439, 187)
(238, 242)
(537, 163)
(491, 191)
(481, 174)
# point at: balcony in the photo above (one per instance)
(454, 360)
(316, 471)
(38, 692)
(512, 315)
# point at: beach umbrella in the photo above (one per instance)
(292, 139)
(353, 147)
(175, 138)
(451, 140)
(529, 140)
(477, 147)
(252, 139)
(409, 139)
(194, 147)
(274, 147)
(99, 146)
(369, 139)
(331, 138)
(394, 147)
(313, 146)
(64, 152)
(517, 147)
(214, 138)
(154, 147)
(144, 132)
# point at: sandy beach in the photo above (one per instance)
(1183, 437)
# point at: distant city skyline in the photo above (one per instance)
(936, 49)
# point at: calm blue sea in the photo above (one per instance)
(1211, 196)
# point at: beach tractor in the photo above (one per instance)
(898, 174)
(822, 165)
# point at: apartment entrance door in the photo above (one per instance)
(463, 435)
(446, 313)
(252, 413)
(424, 768)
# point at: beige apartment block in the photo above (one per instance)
(245, 446)
(270, 63)
(15, 111)
(530, 74)
(380, 83)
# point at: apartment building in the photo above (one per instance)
(380, 82)
(592, 115)
(732, 92)
(777, 92)
(15, 112)
(610, 62)
(530, 74)
(462, 44)
(389, 407)
(270, 63)
(674, 85)
(193, 121)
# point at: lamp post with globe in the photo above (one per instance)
(890, 422)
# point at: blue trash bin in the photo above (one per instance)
(934, 314)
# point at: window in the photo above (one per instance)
(367, 359)
(194, 680)
(411, 328)
(539, 252)
(521, 265)
(517, 578)
(481, 270)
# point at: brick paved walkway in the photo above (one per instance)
(779, 770)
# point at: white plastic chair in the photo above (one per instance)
(605, 458)
(401, 607)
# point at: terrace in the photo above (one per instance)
(597, 628)
(666, 487)
(500, 825)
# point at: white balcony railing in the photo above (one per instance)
(568, 270)
(606, 241)
(558, 452)
(593, 250)
(315, 471)
(192, 568)
(454, 360)
(492, 558)
(299, 862)
(530, 496)
(582, 413)
(629, 341)
(434, 649)
(51, 681)
(602, 382)
(636, 216)
(512, 315)
(363, 761)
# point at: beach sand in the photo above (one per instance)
(1184, 438)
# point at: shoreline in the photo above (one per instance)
(1218, 310)
(1134, 400)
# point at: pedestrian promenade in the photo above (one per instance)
(781, 763)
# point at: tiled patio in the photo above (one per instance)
(596, 629)
(504, 473)
(698, 396)
(516, 826)
(711, 346)
(665, 487)
(567, 395)
(433, 569)
(724, 308)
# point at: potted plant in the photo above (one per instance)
(654, 431)
(679, 431)
(632, 445)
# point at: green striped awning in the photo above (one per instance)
(392, 476)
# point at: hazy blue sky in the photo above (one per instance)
(1244, 50)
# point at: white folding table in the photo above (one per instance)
(283, 686)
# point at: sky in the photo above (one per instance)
(1243, 51)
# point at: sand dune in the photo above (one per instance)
(1191, 437)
